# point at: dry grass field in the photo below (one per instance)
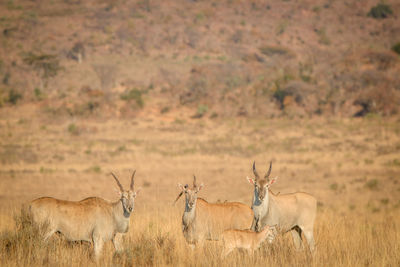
(176, 88)
(351, 166)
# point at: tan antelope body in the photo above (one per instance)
(206, 221)
(245, 239)
(294, 212)
(92, 219)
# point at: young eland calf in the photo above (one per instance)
(246, 239)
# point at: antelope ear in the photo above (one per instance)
(181, 187)
(118, 192)
(200, 187)
(137, 191)
(250, 180)
(273, 180)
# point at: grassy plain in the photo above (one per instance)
(351, 166)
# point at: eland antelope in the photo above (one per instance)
(293, 212)
(206, 221)
(92, 219)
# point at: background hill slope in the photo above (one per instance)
(211, 58)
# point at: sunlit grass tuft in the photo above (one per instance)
(342, 240)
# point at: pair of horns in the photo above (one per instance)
(120, 185)
(256, 173)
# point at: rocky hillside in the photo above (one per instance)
(206, 58)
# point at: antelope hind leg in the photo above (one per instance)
(296, 234)
(310, 240)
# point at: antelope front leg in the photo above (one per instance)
(226, 251)
(98, 245)
(48, 235)
(250, 252)
(254, 224)
(117, 242)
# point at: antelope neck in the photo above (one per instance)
(188, 209)
(257, 201)
(189, 214)
(260, 208)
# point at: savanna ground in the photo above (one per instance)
(351, 166)
(89, 87)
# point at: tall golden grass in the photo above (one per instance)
(156, 240)
(350, 166)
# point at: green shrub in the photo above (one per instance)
(91, 106)
(38, 93)
(372, 184)
(369, 161)
(281, 28)
(13, 96)
(73, 129)
(44, 64)
(202, 109)
(334, 187)
(394, 163)
(396, 48)
(165, 110)
(279, 95)
(121, 148)
(6, 78)
(323, 37)
(274, 50)
(199, 17)
(385, 201)
(213, 115)
(45, 170)
(380, 11)
(96, 169)
(179, 121)
(134, 94)
(12, 6)
(316, 9)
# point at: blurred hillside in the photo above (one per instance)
(119, 58)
